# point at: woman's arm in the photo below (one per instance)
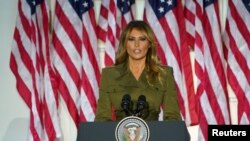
(171, 110)
(103, 112)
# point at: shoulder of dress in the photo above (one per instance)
(112, 71)
(167, 68)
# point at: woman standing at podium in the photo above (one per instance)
(137, 84)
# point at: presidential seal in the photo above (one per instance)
(132, 129)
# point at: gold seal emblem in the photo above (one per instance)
(132, 129)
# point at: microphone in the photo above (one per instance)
(141, 105)
(126, 102)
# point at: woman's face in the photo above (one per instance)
(137, 45)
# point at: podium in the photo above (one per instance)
(159, 131)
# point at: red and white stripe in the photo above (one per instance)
(76, 60)
(31, 66)
(190, 24)
(237, 41)
(173, 51)
(111, 22)
(50, 99)
(209, 69)
(189, 13)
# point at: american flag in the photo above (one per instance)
(30, 63)
(114, 16)
(75, 57)
(211, 90)
(237, 41)
(168, 24)
(189, 13)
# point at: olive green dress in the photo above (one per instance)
(118, 80)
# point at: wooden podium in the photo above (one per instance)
(159, 131)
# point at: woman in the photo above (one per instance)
(137, 73)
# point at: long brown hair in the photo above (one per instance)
(153, 65)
